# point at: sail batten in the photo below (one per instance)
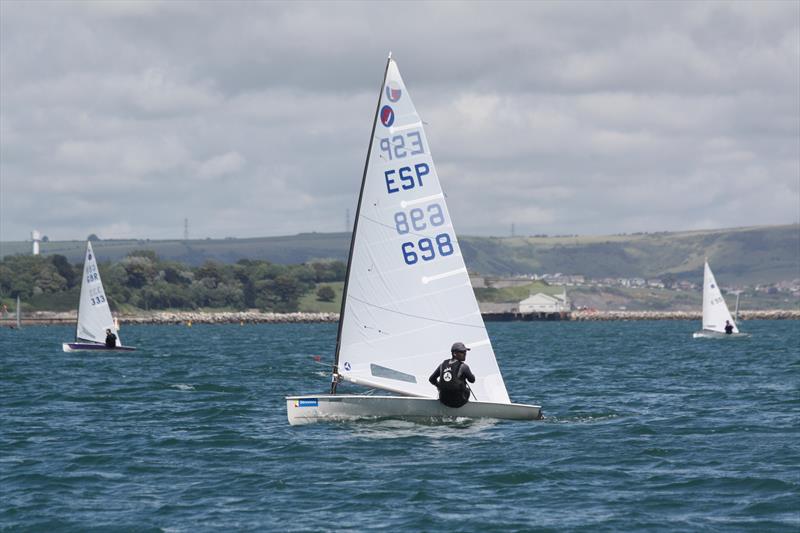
(407, 294)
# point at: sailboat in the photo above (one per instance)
(94, 315)
(407, 294)
(715, 311)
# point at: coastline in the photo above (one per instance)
(257, 317)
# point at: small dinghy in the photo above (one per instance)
(715, 311)
(407, 294)
(94, 315)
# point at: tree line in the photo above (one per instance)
(145, 281)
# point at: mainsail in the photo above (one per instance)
(715, 311)
(407, 295)
(94, 315)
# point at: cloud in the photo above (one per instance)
(254, 118)
(221, 165)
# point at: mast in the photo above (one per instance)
(335, 372)
(83, 280)
(736, 312)
(18, 320)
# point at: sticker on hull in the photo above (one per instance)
(306, 402)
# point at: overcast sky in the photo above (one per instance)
(252, 118)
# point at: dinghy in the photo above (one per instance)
(94, 315)
(407, 294)
(715, 311)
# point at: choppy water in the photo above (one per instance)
(647, 430)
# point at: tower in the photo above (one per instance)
(185, 229)
(347, 227)
(36, 237)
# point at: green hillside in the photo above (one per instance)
(310, 303)
(285, 250)
(738, 256)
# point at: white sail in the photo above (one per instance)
(408, 294)
(715, 311)
(94, 315)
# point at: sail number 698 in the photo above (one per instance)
(426, 248)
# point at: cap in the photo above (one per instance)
(459, 347)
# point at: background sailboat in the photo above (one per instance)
(407, 294)
(94, 314)
(715, 310)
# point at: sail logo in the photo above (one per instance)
(347, 366)
(387, 116)
(89, 257)
(393, 92)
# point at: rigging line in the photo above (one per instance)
(472, 392)
(416, 316)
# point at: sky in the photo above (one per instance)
(253, 118)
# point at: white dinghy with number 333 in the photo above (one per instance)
(94, 315)
(407, 295)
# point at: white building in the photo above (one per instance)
(36, 237)
(545, 303)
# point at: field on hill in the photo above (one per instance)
(287, 250)
(739, 256)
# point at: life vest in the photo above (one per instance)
(453, 389)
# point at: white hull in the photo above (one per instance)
(322, 408)
(71, 347)
(708, 334)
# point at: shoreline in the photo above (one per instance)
(257, 317)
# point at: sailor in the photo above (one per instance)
(451, 377)
(111, 339)
(728, 327)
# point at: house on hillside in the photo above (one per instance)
(545, 303)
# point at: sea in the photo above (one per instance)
(646, 429)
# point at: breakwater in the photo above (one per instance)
(258, 317)
(180, 317)
(776, 314)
